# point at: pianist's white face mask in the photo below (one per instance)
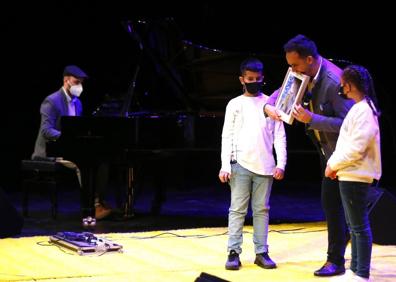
(76, 90)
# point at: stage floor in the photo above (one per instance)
(181, 255)
(186, 207)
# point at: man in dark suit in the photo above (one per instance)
(323, 118)
(66, 102)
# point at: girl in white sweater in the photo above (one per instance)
(356, 162)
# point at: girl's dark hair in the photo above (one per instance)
(361, 78)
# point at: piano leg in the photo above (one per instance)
(159, 195)
(128, 211)
(87, 192)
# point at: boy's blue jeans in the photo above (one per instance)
(245, 185)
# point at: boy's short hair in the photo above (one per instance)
(302, 45)
(251, 64)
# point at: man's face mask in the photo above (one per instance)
(253, 87)
(76, 90)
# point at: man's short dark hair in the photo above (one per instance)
(251, 64)
(302, 45)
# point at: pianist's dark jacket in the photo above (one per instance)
(52, 109)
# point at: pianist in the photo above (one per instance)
(66, 102)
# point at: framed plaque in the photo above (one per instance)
(290, 94)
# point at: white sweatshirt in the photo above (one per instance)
(249, 137)
(357, 156)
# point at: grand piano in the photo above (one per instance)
(178, 111)
(127, 142)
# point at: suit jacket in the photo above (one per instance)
(329, 109)
(52, 109)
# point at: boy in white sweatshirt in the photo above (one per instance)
(356, 162)
(248, 163)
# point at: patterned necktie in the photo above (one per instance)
(311, 85)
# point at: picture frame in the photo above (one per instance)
(291, 93)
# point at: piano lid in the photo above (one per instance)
(173, 74)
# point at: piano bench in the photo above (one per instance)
(40, 172)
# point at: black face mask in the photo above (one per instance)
(341, 92)
(253, 87)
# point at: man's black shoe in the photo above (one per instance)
(233, 262)
(330, 269)
(263, 260)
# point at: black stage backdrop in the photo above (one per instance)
(37, 44)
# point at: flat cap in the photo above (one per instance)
(74, 71)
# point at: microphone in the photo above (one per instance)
(341, 93)
(307, 98)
